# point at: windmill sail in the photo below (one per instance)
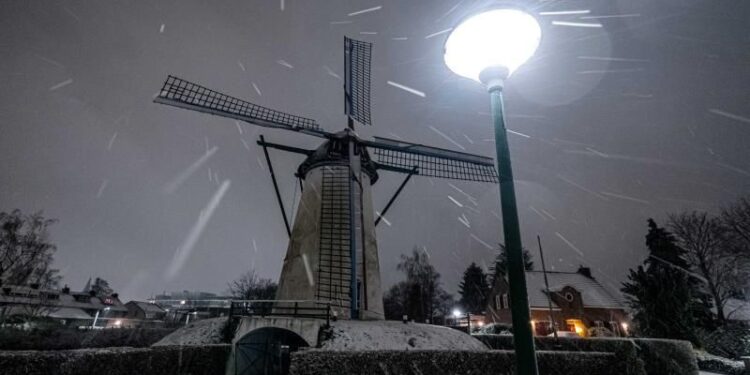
(432, 161)
(357, 80)
(185, 94)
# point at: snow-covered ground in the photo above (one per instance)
(394, 335)
(201, 332)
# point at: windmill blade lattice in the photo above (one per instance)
(432, 161)
(185, 94)
(357, 55)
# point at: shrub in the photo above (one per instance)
(60, 338)
(500, 362)
(729, 341)
(167, 360)
(667, 357)
(720, 365)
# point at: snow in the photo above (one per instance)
(201, 332)
(395, 335)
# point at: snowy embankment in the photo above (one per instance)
(202, 332)
(394, 335)
(713, 364)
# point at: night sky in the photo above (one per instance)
(641, 111)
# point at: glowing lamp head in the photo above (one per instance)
(456, 313)
(497, 38)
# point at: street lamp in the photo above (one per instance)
(489, 47)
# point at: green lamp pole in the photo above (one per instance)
(487, 47)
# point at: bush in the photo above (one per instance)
(720, 365)
(729, 341)
(667, 357)
(654, 356)
(164, 360)
(48, 337)
(500, 362)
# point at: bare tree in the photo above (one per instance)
(705, 243)
(25, 253)
(250, 286)
(737, 218)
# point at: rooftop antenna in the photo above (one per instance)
(332, 253)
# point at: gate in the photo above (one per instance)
(265, 351)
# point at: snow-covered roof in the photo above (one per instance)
(594, 294)
(147, 307)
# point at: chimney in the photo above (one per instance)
(65, 289)
(115, 295)
(585, 271)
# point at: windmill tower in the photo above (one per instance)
(332, 253)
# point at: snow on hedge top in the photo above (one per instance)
(394, 335)
(201, 332)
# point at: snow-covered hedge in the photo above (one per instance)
(163, 360)
(413, 362)
(720, 365)
(655, 356)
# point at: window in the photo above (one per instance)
(505, 301)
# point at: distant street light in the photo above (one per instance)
(456, 313)
(487, 48)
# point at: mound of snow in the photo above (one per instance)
(714, 363)
(200, 332)
(393, 335)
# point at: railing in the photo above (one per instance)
(288, 308)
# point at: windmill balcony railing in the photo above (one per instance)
(288, 308)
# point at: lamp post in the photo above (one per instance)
(487, 48)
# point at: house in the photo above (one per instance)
(145, 313)
(62, 305)
(187, 306)
(579, 304)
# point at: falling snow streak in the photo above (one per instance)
(368, 33)
(438, 33)
(331, 72)
(111, 141)
(485, 244)
(61, 84)
(400, 38)
(729, 115)
(184, 251)
(610, 71)
(582, 187)
(451, 10)
(569, 243)
(533, 209)
(101, 188)
(260, 164)
(455, 201)
(670, 264)
(341, 22)
(173, 185)
(449, 139)
(239, 127)
(625, 197)
(382, 218)
(284, 63)
(517, 133)
(281, 5)
(247, 147)
(576, 24)
(464, 221)
(469, 197)
(618, 59)
(612, 16)
(363, 11)
(308, 270)
(242, 66)
(53, 62)
(597, 152)
(565, 12)
(733, 168)
(257, 89)
(407, 89)
(472, 209)
(548, 214)
(161, 29)
(468, 139)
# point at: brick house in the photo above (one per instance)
(579, 304)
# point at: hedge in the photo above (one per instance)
(420, 362)
(713, 363)
(163, 360)
(641, 356)
(60, 338)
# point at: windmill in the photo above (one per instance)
(332, 253)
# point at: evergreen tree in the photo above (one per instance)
(101, 288)
(666, 303)
(474, 289)
(500, 268)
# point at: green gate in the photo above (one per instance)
(265, 351)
